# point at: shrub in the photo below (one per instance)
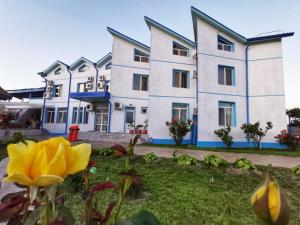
(17, 137)
(223, 134)
(106, 151)
(286, 139)
(215, 161)
(245, 164)
(178, 129)
(186, 160)
(296, 169)
(76, 182)
(255, 133)
(149, 157)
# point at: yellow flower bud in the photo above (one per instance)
(270, 204)
(45, 163)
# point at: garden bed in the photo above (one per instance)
(189, 195)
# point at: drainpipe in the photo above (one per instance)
(109, 116)
(197, 97)
(247, 85)
(96, 77)
(44, 102)
(68, 104)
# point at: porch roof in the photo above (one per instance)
(91, 97)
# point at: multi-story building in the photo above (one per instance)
(219, 79)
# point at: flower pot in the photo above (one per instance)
(145, 131)
(131, 131)
(138, 131)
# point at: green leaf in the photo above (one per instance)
(33, 193)
(144, 217)
(51, 192)
(66, 214)
(33, 216)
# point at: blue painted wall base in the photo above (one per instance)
(219, 144)
(169, 141)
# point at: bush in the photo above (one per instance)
(76, 182)
(245, 164)
(186, 160)
(106, 151)
(296, 169)
(17, 137)
(223, 134)
(286, 139)
(149, 157)
(255, 133)
(215, 161)
(178, 129)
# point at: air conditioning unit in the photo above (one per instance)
(47, 94)
(102, 77)
(195, 111)
(100, 84)
(89, 86)
(90, 107)
(49, 82)
(194, 74)
(118, 106)
(90, 79)
(48, 88)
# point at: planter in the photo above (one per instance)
(131, 131)
(138, 131)
(145, 131)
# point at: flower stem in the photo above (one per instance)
(45, 214)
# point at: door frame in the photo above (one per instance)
(134, 114)
(97, 111)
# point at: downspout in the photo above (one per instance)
(44, 103)
(247, 85)
(68, 104)
(109, 115)
(96, 87)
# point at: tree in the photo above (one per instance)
(224, 135)
(294, 117)
(255, 133)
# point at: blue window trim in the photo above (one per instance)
(188, 78)
(57, 111)
(185, 48)
(234, 114)
(141, 75)
(233, 74)
(225, 40)
(181, 103)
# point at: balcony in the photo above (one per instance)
(91, 97)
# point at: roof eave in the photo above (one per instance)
(79, 62)
(271, 38)
(54, 65)
(104, 59)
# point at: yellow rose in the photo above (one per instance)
(270, 204)
(45, 163)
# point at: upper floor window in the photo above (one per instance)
(58, 71)
(108, 66)
(181, 79)
(224, 44)
(50, 114)
(226, 75)
(61, 115)
(140, 82)
(83, 68)
(180, 50)
(180, 111)
(81, 87)
(227, 114)
(140, 56)
(57, 90)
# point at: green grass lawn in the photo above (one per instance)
(239, 150)
(185, 195)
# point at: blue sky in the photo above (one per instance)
(36, 33)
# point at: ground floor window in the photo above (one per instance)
(50, 114)
(101, 120)
(74, 115)
(226, 114)
(180, 111)
(86, 116)
(61, 115)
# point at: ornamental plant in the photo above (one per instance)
(296, 170)
(150, 157)
(214, 160)
(186, 160)
(245, 164)
(284, 138)
(178, 129)
(224, 135)
(255, 133)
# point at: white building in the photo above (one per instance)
(221, 78)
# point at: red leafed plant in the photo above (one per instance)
(290, 141)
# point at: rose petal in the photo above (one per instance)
(18, 178)
(47, 180)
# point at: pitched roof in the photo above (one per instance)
(104, 59)
(273, 37)
(4, 94)
(126, 38)
(151, 22)
(52, 67)
(79, 62)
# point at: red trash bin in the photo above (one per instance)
(73, 135)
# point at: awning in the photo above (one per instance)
(91, 97)
(27, 92)
(20, 105)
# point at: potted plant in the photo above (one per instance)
(131, 128)
(145, 131)
(138, 129)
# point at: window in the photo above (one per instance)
(80, 117)
(50, 114)
(57, 90)
(61, 115)
(140, 82)
(224, 44)
(180, 111)
(83, 68)
(179, 50)
(144, 110)
(58, 71)
(140, 56)
(181, 79)
(74, 115)
(86, 116)
(226, 75)
(81, 87)
(227, 114)
(108, 66)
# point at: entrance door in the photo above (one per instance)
(129, 118)
(101, 120)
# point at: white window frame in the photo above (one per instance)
(180, 107)
(178, 51)
(224, 75)
(180, 78)
(61, 115)
(52, 115)
(138, 57)
(141, 76)
(226, 110)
